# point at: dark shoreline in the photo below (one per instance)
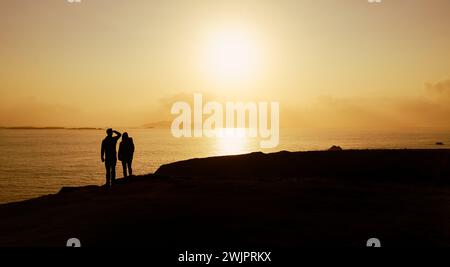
(277, 200)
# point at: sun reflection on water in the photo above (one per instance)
(232, 141)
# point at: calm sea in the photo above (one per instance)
(39, 162)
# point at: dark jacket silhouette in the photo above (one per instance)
(109, 155)
(126, 148)
(126, 151)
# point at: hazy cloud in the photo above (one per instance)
(31, 112)
(439, 91)
(431, 109)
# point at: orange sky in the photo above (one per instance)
(329, 63)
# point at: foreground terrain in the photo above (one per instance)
(279, 200)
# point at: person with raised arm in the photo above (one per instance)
(109, 155)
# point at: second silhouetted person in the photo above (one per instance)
(126, 151)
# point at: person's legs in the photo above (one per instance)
(130, 170)
(108, 174)
(124, 167)
(113, 173)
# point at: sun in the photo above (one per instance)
(232, 55)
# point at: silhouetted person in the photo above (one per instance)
(126, 151)
(109, 155)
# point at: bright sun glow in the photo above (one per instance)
(232, 55)
(232, 141)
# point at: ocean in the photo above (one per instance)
(39, 162)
